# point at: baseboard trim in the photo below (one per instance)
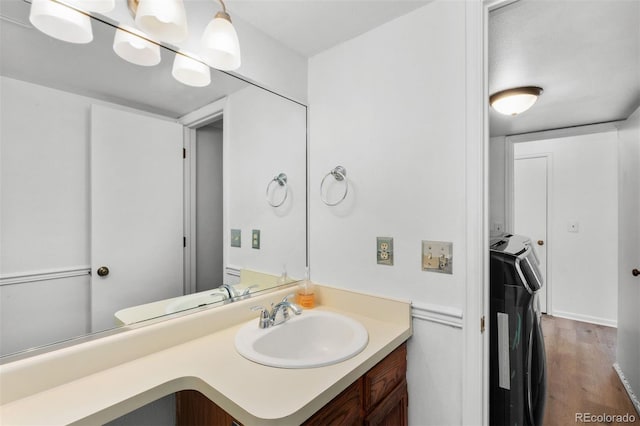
(44, 275)
(443, 315)
(585, 318)
(634, 398)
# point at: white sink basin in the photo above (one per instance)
(311, 339)
(194, 300)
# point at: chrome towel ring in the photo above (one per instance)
(281, 180)
(339, 173)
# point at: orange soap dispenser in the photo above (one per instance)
(305, 296)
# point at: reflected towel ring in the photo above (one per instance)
(281, 180)
(339, 173)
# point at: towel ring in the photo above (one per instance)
(339, 173)
(281, 180)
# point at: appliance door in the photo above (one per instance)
(536, 383)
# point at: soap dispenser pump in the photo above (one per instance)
(305, 296)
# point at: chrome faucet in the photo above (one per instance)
(268, 319)
(234, 294)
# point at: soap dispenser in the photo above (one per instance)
(305, 296)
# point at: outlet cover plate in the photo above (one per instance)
(437, 256)
(236, 238)
(384, 250)
(255, 239)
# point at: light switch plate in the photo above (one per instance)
(384, 249)
(437, 256)
(255, 239)
(236, 238)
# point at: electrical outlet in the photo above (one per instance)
(255, 239)
(384, 246)
(236, 238)
(437, 256)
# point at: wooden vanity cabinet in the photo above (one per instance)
(378, 398)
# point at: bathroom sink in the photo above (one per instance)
(194, 300)
(312, 339)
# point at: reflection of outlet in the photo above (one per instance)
(255, 239)
(384, 250)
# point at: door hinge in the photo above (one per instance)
(482, 324)
(184, 241)
(184, 152)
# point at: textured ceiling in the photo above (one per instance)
(584, 54)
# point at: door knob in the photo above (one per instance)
(103, 271)
(540, 242)
(635, 272)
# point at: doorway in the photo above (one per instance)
(209, 182)
(530, 211)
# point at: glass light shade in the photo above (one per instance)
(59, 21)
(515, 101)
(162, 19)
(135, 49)
(100, 6)
(220, 45)
(190, 72)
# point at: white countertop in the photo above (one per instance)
(250, 392)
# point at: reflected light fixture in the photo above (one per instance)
(220, 46)
(164, 20)
(135, 49)
(515, 101)
(60, 21)
(190, 72)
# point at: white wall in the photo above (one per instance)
(387, 106)
(497, 206)
(209, 208)
(266, 136)
(582, 267)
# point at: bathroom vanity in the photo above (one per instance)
(194, 356)
(379, 397)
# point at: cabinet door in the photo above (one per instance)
(345, 409)
(384, 377)
(195, 409)
(392, 411)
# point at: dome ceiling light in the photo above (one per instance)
(515, 101)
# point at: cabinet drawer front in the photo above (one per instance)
(385, 376)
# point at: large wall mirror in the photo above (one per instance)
(105, 220)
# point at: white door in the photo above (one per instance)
(136, 211)
(530, 210)
(628, 355)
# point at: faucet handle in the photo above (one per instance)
(264, 321)
(286, 298)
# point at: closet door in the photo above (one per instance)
(136, 212)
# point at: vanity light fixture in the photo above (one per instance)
(220, 45)
(164, 20)
(515, 101)
(60, 21)
(135, 49)
(190, 72)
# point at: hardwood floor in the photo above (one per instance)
(580, 374)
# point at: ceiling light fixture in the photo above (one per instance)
(60, 21)
(515, 101)
(163, 20)
(135, 49)
(220, 45)
(190, 72)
